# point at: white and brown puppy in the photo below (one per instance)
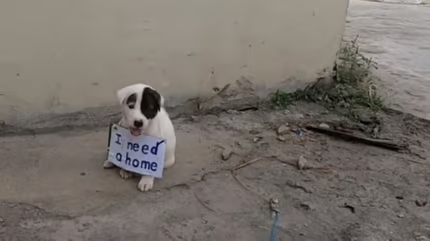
(143, 112)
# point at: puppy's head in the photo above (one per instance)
(140, 103)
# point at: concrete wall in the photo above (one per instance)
(58, 55)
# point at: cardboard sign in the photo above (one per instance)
(139, 154)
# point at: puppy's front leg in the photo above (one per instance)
(107, 164)
(146, 183)
(124, 174)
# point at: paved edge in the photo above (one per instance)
(89, 118)
(241, 96)
(98, 117)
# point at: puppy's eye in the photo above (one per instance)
(131, 106)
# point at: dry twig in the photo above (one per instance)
(246, 164)
(234, 174)
(203, 203)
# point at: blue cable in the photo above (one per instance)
(275, 227)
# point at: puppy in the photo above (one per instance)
(142, 109)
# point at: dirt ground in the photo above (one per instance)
(53, 186)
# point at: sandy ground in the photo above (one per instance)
(53, 186)
(396, 36)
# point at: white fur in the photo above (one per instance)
(160, 126)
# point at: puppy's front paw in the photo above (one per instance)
(107, 164)
(146, 183)
(124, 174)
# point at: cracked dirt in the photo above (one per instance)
(53, 186)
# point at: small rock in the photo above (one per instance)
(83, 174)
(300, 116)
(274, 205)
(283, 129)
(400, 215)
(301, 163)
(274, 201)
(257, 139)
(421, 203)
(194, 118)
(226, 154)
(1, 220)
(307, 206)
(281, 139)
(324, 125)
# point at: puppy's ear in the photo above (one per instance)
(154, 97)
(123, 93)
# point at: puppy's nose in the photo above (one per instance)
(138, 123)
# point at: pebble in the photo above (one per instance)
(257, 139)
(324, 125)
(194, 118)
(307, 206)
(400, 215)
(281, 138)
(283, 129)
(274, 205)
(301, 163)
(421, 203)
(226, 154)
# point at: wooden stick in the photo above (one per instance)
(246, 164)
(364, 140)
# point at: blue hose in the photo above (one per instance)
(275, 227)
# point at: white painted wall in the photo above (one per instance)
(72, 54)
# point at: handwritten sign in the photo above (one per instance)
(139, 154)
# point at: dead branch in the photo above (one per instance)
(368, 141)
